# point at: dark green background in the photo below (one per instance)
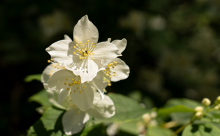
(173, 48)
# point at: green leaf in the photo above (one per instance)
(33, 77)
(179, 114)
(182, 117)
(135, 95)
(158, 131)
(130, 127)
(126, 109)
(41, 98)
(215, 115)
(49, 124)
(205, 120)
(185, 102)
(201, 130)
(178, 108)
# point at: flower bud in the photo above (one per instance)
(218, 99)
(216, 107)
(206, 102)
(153, 123)
(153, 114)
(198, 109)
(146, 117)
(198, 115)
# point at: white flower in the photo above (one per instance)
(84, 56)
(74, 119)
(57, 78)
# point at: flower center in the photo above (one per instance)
(76, 82)
(84, 51)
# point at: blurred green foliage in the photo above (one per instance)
(173, 48)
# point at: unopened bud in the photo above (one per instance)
(198, 109)
(218, 99)
(153, 123)
(206, 102)
(153, 114)
(198, 115)
(146, 117)
(216, 107)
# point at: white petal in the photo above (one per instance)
(47, 71)
(121, 44)
(59, 81)
(62, 95)
(92, 69)
(59, 51)
(85, 30)
(102, 108)
(104, 53)
(66, 37)
(99, 84)
(73, 122)
(121, 70)
(53, 96)
(82, 99)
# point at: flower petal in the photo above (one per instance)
(90, 73)
(66, 37)
(59, 81)
(102, 108)
(104, 53)
(59, 52)
(49, 71)
(62, 95)
(121, 44)
(121, 70)
(46, 73)
(85, 30)
(73, 122)
(53, 96)
(99, 84)
(82, 96)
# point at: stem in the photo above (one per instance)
(181, 128)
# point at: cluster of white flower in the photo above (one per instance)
(79, 72)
